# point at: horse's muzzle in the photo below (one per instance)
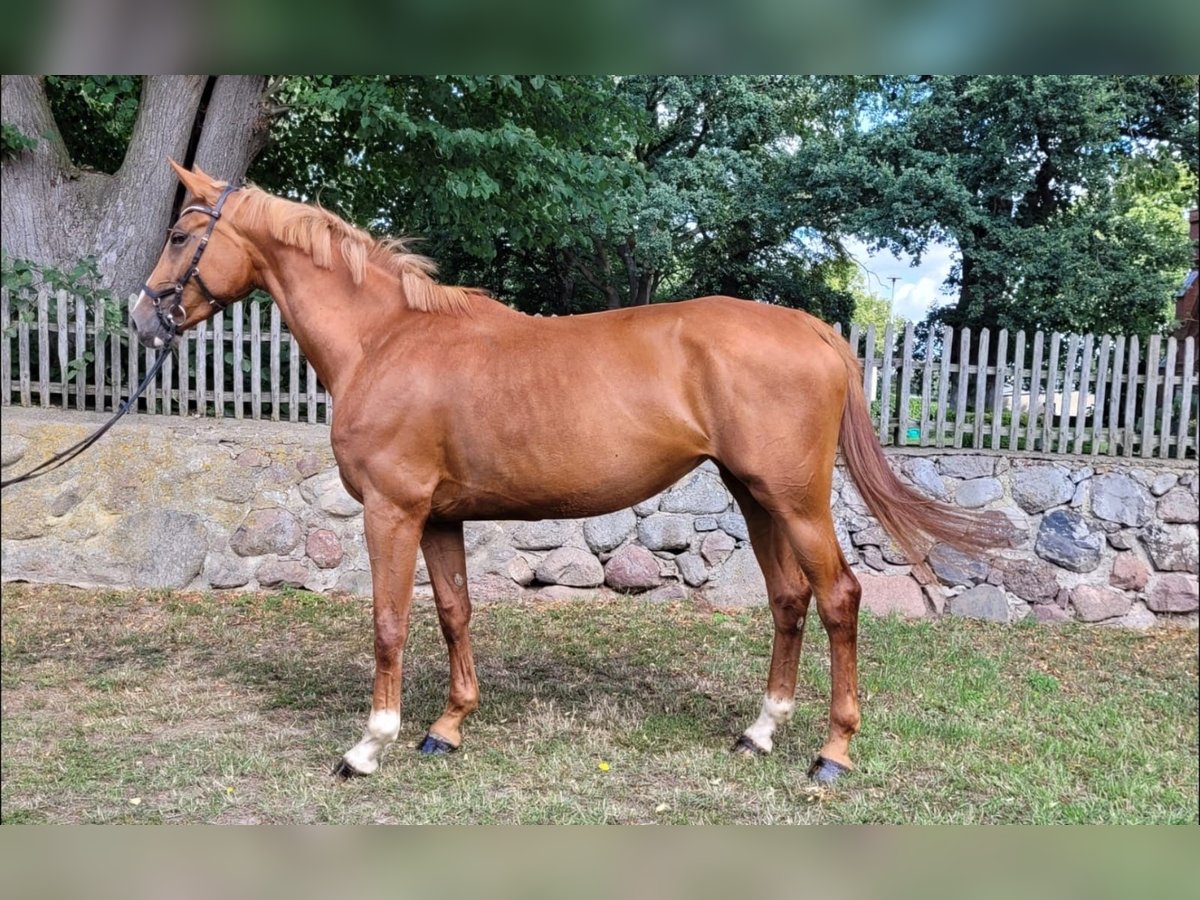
(154, 330)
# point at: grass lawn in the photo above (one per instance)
(179, 707)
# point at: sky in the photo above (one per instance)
(918, 289)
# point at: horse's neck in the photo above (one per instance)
(330, 317)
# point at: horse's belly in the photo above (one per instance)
(560, 492)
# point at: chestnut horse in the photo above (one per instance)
(451, 407)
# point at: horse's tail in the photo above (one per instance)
(914, 521)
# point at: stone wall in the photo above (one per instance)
(204, 504)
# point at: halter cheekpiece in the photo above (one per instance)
(173, 314)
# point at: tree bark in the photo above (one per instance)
(55, 214)
(31, 219)
(235, 127)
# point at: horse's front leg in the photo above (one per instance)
(393, 533)
(442, 545)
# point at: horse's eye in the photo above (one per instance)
(178, 238)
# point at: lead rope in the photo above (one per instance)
(65, 456)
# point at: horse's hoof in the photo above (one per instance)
(825, 771)
(343, 771)
(743, 746)
(435, 746)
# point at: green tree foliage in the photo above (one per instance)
(570, 194)
(1057, 191)
(95, 115)
(498, 175)
(871, 309)
(567, 194)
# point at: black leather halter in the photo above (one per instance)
(174, 313)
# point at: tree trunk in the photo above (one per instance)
(235, 127)
(55, 214)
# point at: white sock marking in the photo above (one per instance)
(383, 726)
(774, 713)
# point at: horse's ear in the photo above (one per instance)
(198, 184)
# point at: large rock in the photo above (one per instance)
(324, 548)
(1172, 548)
(309, 465)
(160, 548)
(631, 569)
(24, 515)
(327, 493)
(733, 524)
(967, 466)
(1163, 482)
(1178, 506)
(716, 547)
(572, 567)
(12, 448)
(984, 601)
(666, 531)
(1123, 539)
(1128, 572)
(281, 573)
(924, 475)
(701, 493)
(871, 536)
(649, 506)
(542, 535)
(1118, 498)
(226, 572)
(978, 492)
(1039, 488)
(1174, 593)
(605, 533)
(891, 595)
(953, 567)
(875, 536)
(1095, 604)
(878, 560)
(1030, 579)
(692, 569)
(266, 531)
(739, 582)
(518, 569)
(1065, 540)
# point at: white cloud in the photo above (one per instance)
(918, 288)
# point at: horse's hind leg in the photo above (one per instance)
(788, 593)
(838, 593)
(446, 559)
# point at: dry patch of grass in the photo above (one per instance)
(172, 707)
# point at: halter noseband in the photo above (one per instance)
(174, 314)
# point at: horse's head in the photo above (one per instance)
(204, 266)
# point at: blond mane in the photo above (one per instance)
(315, 231)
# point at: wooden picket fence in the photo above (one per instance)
(1069, 394)
(240, 364)
(1124, 396)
